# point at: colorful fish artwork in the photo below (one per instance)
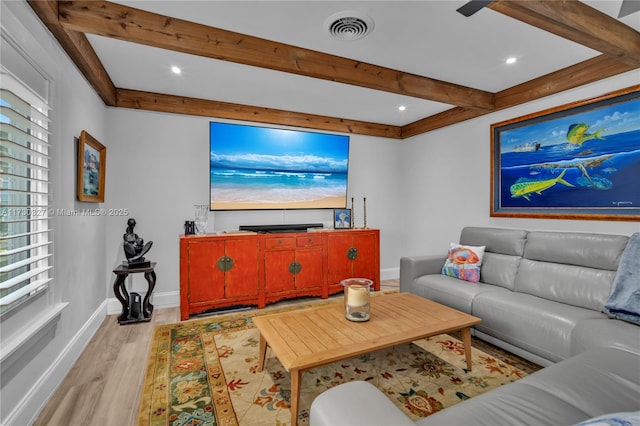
(577, 134)
(524, 187)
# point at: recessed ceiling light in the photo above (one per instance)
(511, 60)
(402, 108)
(176, 70)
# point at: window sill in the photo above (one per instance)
(19, 345)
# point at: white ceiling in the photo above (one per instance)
(427, 38)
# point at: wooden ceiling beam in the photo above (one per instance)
(134, 25)
(578, 22)
(440, 120)
(602, 66)
(78, 48)
(159, 102)
(585, 72)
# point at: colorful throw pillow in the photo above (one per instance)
(463, 262)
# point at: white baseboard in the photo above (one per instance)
(390, 274)
(169, 299)
(26, 412)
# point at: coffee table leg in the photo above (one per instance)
(263, 352)
(296, 376)
(466, 339)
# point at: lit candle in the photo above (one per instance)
(357, 296)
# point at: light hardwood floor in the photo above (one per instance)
(103, 387)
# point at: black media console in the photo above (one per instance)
(273, 229)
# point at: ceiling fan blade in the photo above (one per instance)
(628, 7)
(472, 7)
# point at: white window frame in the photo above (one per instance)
(26, 243)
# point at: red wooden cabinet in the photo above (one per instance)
(256, 269)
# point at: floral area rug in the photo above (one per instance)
(204, 372)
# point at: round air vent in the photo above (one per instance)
(348, 25)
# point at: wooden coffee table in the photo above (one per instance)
(308, 338)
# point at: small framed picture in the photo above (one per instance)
(92, 157)
(342, 218)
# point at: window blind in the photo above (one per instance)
(25, 235)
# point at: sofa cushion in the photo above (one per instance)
(463, 262)
(509, 405)
(450, 291)
(499, 269)
(496, 240)
(574, 285)
(598, 381)
(597, 332)
(536, 325)
(598, 251)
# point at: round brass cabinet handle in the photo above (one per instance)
(295, 267)
(352, 253)
(225, 263)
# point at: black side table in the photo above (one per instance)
(120, 290)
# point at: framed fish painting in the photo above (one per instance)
(576, 161)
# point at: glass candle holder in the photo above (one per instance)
(357, 295)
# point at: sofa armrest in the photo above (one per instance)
(356, 403)
(416, 266)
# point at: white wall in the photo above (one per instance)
(79, 247)
(157, 169)
(446, 175)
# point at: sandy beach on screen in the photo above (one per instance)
(328, 202)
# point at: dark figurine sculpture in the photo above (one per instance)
(134, 246)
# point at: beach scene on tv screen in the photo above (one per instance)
(254, 167)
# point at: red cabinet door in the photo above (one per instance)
(365, 265)
(310, 270)
(206, 280)
(277, 277)
(242, 278)
(220, 269)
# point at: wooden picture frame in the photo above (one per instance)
(576, 161)
(92, 157)
(342, 218)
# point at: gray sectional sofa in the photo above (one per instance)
(542, 296)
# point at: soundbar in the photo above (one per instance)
(272, 229)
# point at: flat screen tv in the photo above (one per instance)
(261, 168)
